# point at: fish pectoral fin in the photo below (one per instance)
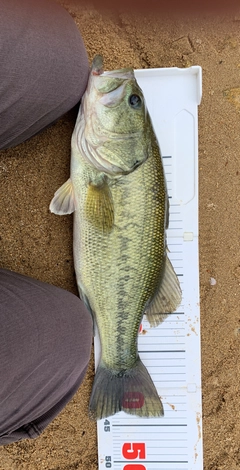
(63, 199)
(99, 206)
(167, 298)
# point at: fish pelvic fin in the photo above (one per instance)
(63, 199)
(167, 298)
(132, 391)
(86, 302)
(99, 207)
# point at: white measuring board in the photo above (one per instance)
(171, 352)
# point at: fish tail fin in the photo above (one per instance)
(132, 391)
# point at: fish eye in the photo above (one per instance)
(135, 101)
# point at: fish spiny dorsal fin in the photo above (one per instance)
(167, 298)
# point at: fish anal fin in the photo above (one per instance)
(63, 199)
(167, 298)
(99, 209)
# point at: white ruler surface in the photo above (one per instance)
(171, 352)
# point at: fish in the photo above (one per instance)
(118, 196)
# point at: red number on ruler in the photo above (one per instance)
(134, 466)
(133, 451)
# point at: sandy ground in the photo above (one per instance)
(38, 244)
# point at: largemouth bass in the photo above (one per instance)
(118, 194)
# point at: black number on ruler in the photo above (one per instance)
(108, 461)
(106, 425)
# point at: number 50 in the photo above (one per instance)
(132, 451)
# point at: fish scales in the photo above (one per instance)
(125, 261)
(118, 194)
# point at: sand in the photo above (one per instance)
(38, 244)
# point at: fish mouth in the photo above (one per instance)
(97, 65)
(97, 69)
(126, 74)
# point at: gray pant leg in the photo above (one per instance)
(45, 344)
(43, 67)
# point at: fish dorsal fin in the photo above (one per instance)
(63, 199)
(99, 206)
(167, 298)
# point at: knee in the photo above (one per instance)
(44, 67)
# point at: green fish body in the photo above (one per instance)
(118, 194)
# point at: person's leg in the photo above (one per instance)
(45, 344)
(44, 67)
